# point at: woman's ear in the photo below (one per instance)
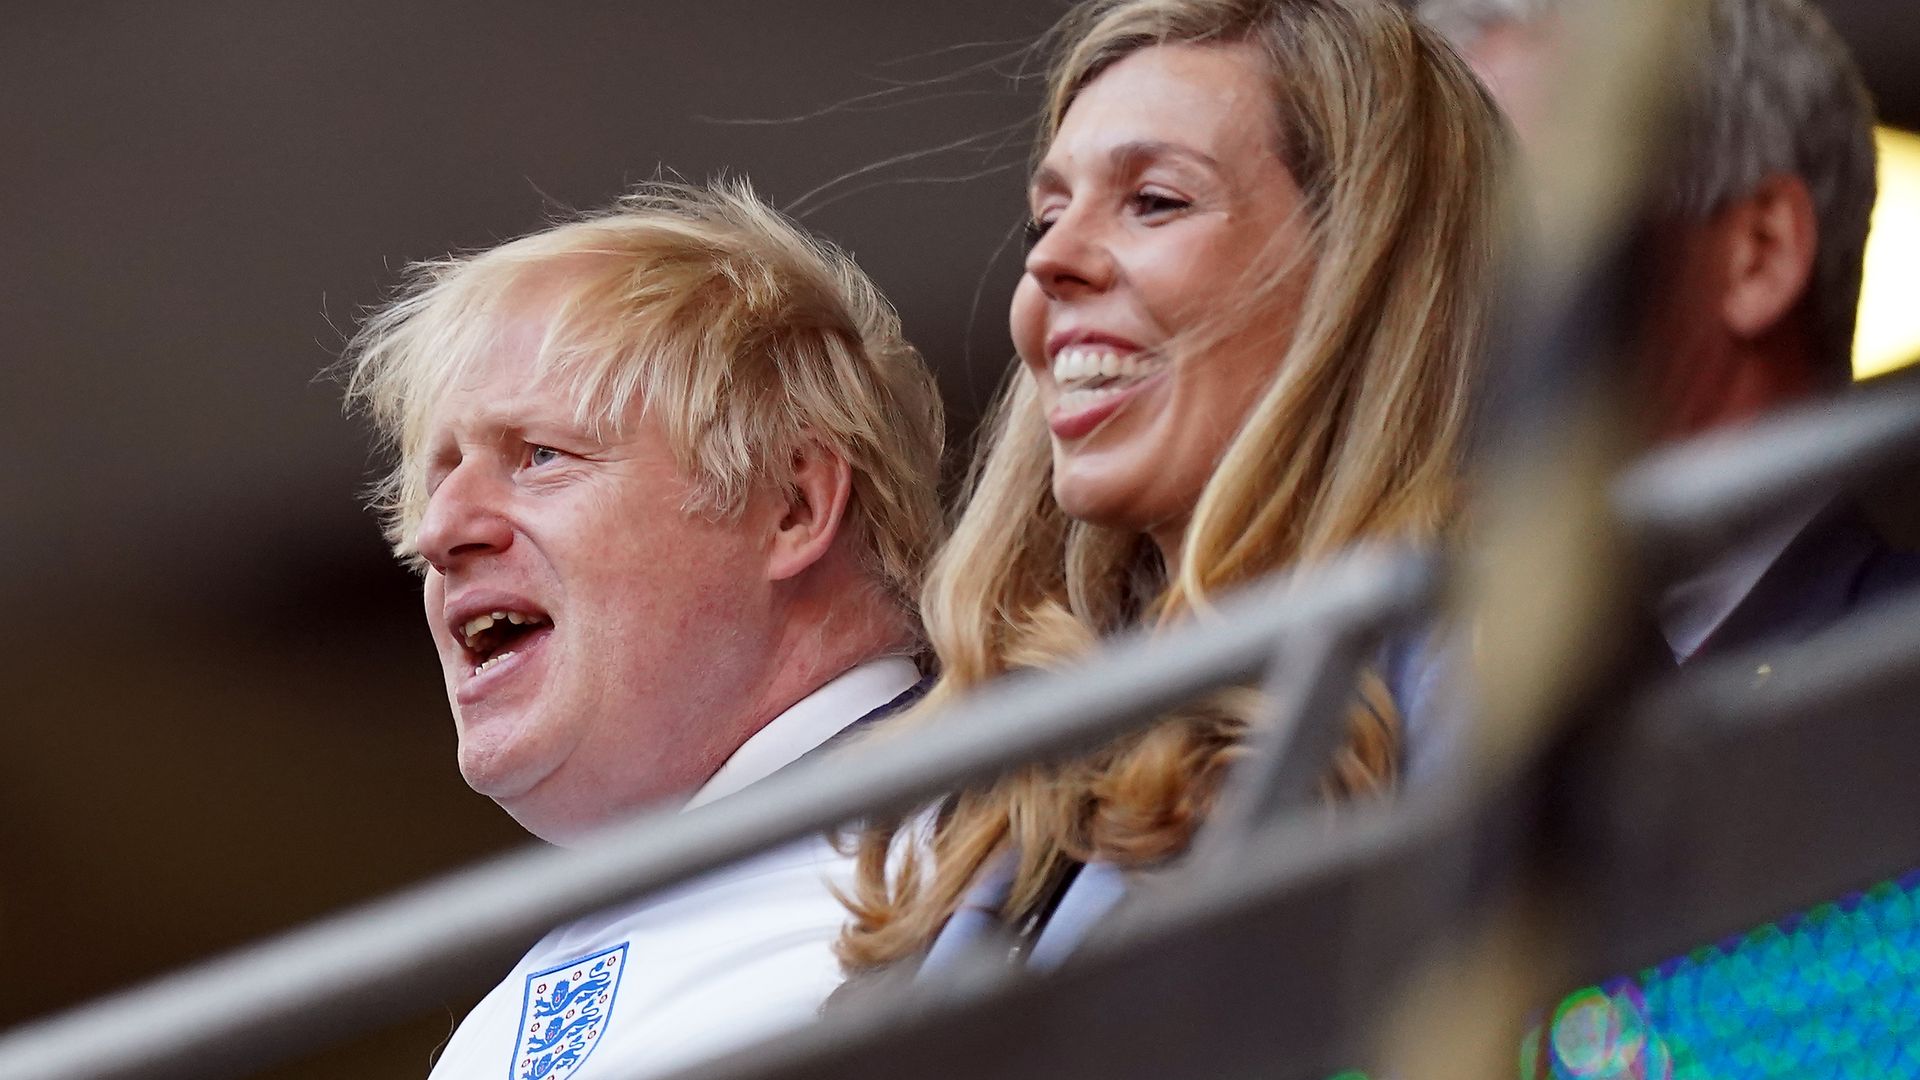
(817, 485)
(1773, 235)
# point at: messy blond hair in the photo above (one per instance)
(1359, 434)
(741, 335)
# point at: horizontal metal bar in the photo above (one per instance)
(1699, 491)
(1308, 689)
(1721, 807)
(1754, 786)
(1263, 974)
(354, 971)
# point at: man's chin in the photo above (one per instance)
(499, 773)
(560, 812)
(519, 787)
(546, 822)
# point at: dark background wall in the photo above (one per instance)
(220, 715)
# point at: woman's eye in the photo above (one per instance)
(1034, 230)
(542, 455)
(1151, 203)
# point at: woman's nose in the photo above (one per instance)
(1070, 257)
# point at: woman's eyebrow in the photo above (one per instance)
(1128, 157)
(1046, 177)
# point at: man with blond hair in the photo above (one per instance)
(668, 472)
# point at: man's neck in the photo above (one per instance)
(810, 723)
(827, 629)
(1731, 383)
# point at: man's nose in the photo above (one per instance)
(1070, 257)
(464, 518)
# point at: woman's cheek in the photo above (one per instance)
(1026, 323)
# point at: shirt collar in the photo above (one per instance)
(1694, 605)
(809, 722)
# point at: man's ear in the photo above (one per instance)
(1771, 241)
(818, 484)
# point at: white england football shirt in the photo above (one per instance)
(714, 964)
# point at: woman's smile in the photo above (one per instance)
(1154, 307)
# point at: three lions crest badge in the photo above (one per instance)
(564, 1013)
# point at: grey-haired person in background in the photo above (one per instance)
(1762, 227)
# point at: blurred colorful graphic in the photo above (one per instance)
(1832, 993)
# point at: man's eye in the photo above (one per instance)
(542, 455)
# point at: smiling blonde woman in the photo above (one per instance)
(1248, 330)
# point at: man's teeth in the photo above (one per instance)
(480, 624)
(492, 660)
(1079, 365)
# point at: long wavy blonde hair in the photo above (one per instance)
(1358, 435)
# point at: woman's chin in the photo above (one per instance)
(1099, 501)
(1124, 483)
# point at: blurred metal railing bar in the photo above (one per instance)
(358, 970)
(1307, 685)
(1262, 974)
(1700, 491)
(1279, 965)
(1308, 690)
(1754, 786)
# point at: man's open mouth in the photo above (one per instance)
(497, 635)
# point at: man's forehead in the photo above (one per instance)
(506, 387)
(530, 357)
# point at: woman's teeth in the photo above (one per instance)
(1077, 365)
(1088, 376)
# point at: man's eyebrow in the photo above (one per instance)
(497, 418)
(491, 422)
(1129, 156)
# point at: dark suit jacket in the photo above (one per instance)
(1836, 566)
